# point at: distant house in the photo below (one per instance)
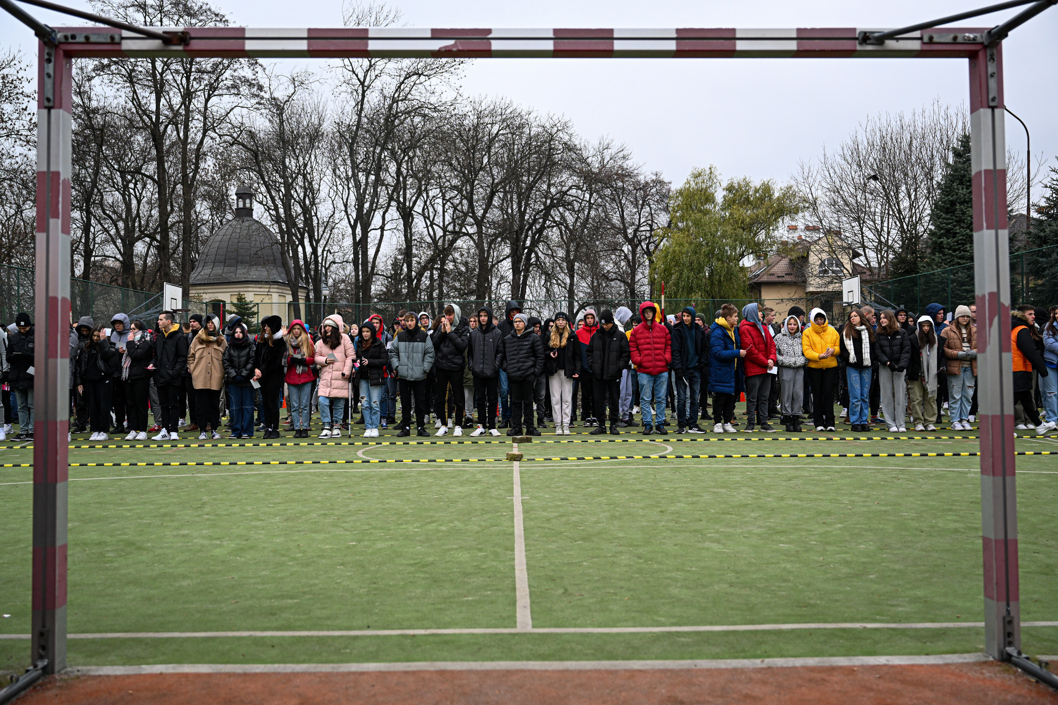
(809, 273)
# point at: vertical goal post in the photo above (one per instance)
(978, 46)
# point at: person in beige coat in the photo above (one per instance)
(205, 362)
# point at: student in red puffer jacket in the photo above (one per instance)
(760, 359)
(651, 349)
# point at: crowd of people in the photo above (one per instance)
(488, 372)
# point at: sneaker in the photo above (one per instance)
(336, 432)
(749, 428)
(131, 436)
(141, 436)
(181, 423)
(766, 427)
(647, 429)
(94, 436)
(973, 417)
(154, 429)
(203, 436)
(597, 431)
(385, 424)
(457, 431)
(718, 428)
(245, 436)
(7, 428)
(728, 428)
(1045, 428)
(422, 432)
(173, 436)
(216, 436)
(438, 424)
(442, 430)
(820, 428)
(403, 433)
(681, 429)
(831, 429)
(477, 431)
(1020, 427)
(901, 429)
(919, 427)
(103, 436)
(367, 433)
(931, 427)
(1028, 426)
(893, 429)
(844, 413)
(493, 432)
(325, 433)
(695, 428)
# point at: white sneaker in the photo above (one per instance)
(973, 418)
(336, 432)
(325, 433)
(103, 436)
(3, 435)
(163, 435)
(141, 436)
(477, 431)
(931, 427)
(441, 430)
(457, 431)
(1045, 428)
(901, 430)
(718, 428)
(494, 432)
(131, 436)
(893, 429)
(728, 428)
(821, 428)
(181, 423)
(173, 436)
(565, 430)
(367, 434)
(919, 427)
(438, 424)
(450, 423)
(635, 410)
(203, 436)
(1021, 427)
(7, 428)
(216, 436)
(94, 436)
(1029, 426)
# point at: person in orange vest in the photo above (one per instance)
(1025, 348)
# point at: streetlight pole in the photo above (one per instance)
(1028, 170)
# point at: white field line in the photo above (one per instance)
(521, 574)
(718, 628)
(714, 664)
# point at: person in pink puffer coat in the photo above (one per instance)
(334, 357)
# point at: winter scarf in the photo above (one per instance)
(865, 347)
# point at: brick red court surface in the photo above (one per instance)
(958, 684)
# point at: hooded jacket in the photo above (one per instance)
(522, 356)
(932, 310)
(118, 339)
(924, 363)
(568, 358)
(756, 341)
(239, 357)
(815, 339)
(690, 345)
(584, 334)
(377, 360)
(269, 359)
(894, 349)
(141, 355)
(608, 353)
(1026, 355)
(650, 344)
(449, 347)
(952, 346)
(484, 347)
(20, 352)
(335, 377)
(205, 359)
(788, 349)
(724, 347)
(170, 357)
(622, 315)
(506, 326)
(301, 358)
(412, 355)
(96, 362)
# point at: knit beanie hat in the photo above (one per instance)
(23, 319)
(795, 311)
(523, 318)
(606, 316)
(962, 311)
(197, 318)
(563, 315)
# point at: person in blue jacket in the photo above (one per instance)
(725, 349)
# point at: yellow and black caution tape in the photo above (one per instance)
(238, 463)
(624, 439)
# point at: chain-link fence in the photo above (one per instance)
(100, 301)
(955, 285)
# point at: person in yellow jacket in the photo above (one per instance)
(820, 343)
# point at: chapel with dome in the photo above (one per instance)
(244, 257)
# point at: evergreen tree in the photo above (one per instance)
(951, 236)
(1044, 234)
(247, 310)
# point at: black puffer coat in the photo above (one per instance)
(894, 349)
(96, 362)
(269, 358)
(239, 361)
(170, 357)
(608, 353)
(377, 358)
(484, 357)
(567, 360)
(141, 355)
(449, 347)
(522, 356)
(20, 351)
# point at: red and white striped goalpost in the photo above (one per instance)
(991, 254)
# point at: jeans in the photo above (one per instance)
(688, 393)
(758, 388)
(242, 397)
(656, 387)
(388, 405)
(300, 396)
(331, 411)
(960, 394)
(859, 379)
(24, 400)
(369, 403)
(1049, 390)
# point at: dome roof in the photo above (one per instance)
(240, 251)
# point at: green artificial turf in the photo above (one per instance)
(629, 543)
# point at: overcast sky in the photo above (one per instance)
(753, 117)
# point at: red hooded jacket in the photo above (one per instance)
(759, 347)
(650, 345)
(586, 332)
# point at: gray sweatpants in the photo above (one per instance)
(626, 393)
(894, 396)
(791, 390)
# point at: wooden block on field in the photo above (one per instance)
(514, 456)
(522, 439)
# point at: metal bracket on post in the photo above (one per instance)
(993, 78)
(49, 76)
(1009, 631)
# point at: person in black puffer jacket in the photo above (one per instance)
(608, 357)
(136, 374)
(269, 355)
(484, 361)
(562, 365)
(20, 351)
(522, 358)
(170, 363)
(97, 363)
(451, 337)
(894, 356)
(372, 359)
(238, 371)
